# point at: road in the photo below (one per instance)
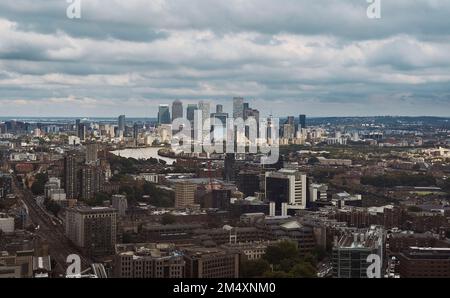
(50, 231)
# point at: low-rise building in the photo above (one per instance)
(148, 260)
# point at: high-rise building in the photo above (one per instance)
(177, 109)
(184, 194)
(77, 125)
(350, 252)
(219, 124)
(205, 107)
(82, 131)
(302, 122)
(219, 109)
(148, 260)
(135, 131)
(119, 202)
(163, 114)
(229, 171)
(190, 112)
(287, 186)
(122, 123)
(72, 175)
(92, 181)
(238, 107)
(92, 153)
(288, 131)
(248, 182)
(93, 229)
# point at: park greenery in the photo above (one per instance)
(38, 186)
(403, 179)
(281, 260)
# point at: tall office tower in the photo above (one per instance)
(288, 131)
(92, 181)
(163, 114)
(148, 260)
(350, 252)
(287, 186)
(219, 125)
(135, 131)
(290, 120)
(92, 153)
(122, 123)
(238, 107)
(205, 107)
(177, 109)
(219, 109)
(184, 194)
(71, 175)
(77, 124)
(230, 160)
(248, 182)
(93, 229)
(302, 121)
(81, 132)
(251, 113)
(119, 202)
(190, 112)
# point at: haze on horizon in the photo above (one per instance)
(285, 57)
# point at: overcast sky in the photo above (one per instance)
(286, 57)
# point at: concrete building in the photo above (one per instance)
(148, 260)
(318, 192)
(72, 175)
(6, 223)
(92, 181)
(287, 186)
(119, 202)
(92, 229)
(92, 153)
(249, 250)
(184, 194)
(350, 252)
(425, 262)
(17, 265)
(204, 262)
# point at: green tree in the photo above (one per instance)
(254, 268)
(282, 250)
(98, 200)
(303, 269)
(277, 274)
(313, 160)
(52, 206)
(38, 186)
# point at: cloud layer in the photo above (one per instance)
(322, 57)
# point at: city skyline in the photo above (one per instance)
(128, 58)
